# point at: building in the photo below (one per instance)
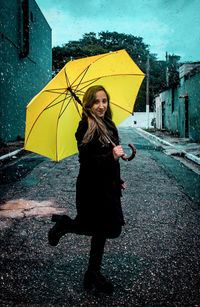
(178, 107)
(139, 120)
(25, 62)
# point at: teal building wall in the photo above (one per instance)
(173, 107)
(25, 62)
(192, 87)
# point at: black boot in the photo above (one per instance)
(95, 280)
(62, 226)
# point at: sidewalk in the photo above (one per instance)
(174, 145)
(10, 149)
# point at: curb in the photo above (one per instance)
(11, 154)
(149, 135)
(192, 157)
(186, 154)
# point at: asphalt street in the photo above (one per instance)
(155, 261)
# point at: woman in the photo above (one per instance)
(98, 188)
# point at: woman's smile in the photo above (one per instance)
(100, 106)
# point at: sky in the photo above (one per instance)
(171, 26)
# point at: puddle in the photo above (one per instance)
(19, 208)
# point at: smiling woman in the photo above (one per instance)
(101, 104)
(98, 187)
(96, 104)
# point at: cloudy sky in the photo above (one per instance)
(166, 25)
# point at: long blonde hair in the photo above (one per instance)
(94, 122)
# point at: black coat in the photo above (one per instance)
(98, 188)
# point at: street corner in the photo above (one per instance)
(22, 208)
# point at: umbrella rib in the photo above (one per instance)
(93, 81)
(110, 54)
(68, 85)
(79, 90)
(39, 116)
(80, 93)
(56, 89)
(98, 59)
(116, 75)
(67, 79)
(61, 113)
(50, 106)
(85, 71)
(120, 107)
(87, 68)
(86, 83)
(74, 100)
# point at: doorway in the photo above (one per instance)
(163, 115)
(186, 117)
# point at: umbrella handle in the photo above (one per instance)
(130, 145)
(132, 155)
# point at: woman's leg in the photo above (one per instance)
(63, 225)
(93, 277)
(96, 252)
(114, 232)
(97, 246)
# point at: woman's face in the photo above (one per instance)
(100, 106)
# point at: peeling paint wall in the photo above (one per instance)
(192, 87)
(170, 109)
(26, 62)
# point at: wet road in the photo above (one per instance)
(155, 261)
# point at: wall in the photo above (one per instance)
(174, 118)
(192, 87)
(158, 105)
(138, 119)
(24, 70)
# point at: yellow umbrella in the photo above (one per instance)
(52, 116)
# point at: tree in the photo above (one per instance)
(172, 70)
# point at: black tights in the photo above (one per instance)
(96, 252)
(97, 248)
(97, 242)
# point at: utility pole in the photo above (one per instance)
(167, 70)
(147, 90)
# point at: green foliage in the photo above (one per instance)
(103, 42)
(172, 68)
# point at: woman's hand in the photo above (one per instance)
(118, 152)
(123, 186)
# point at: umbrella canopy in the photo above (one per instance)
(52, 116)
